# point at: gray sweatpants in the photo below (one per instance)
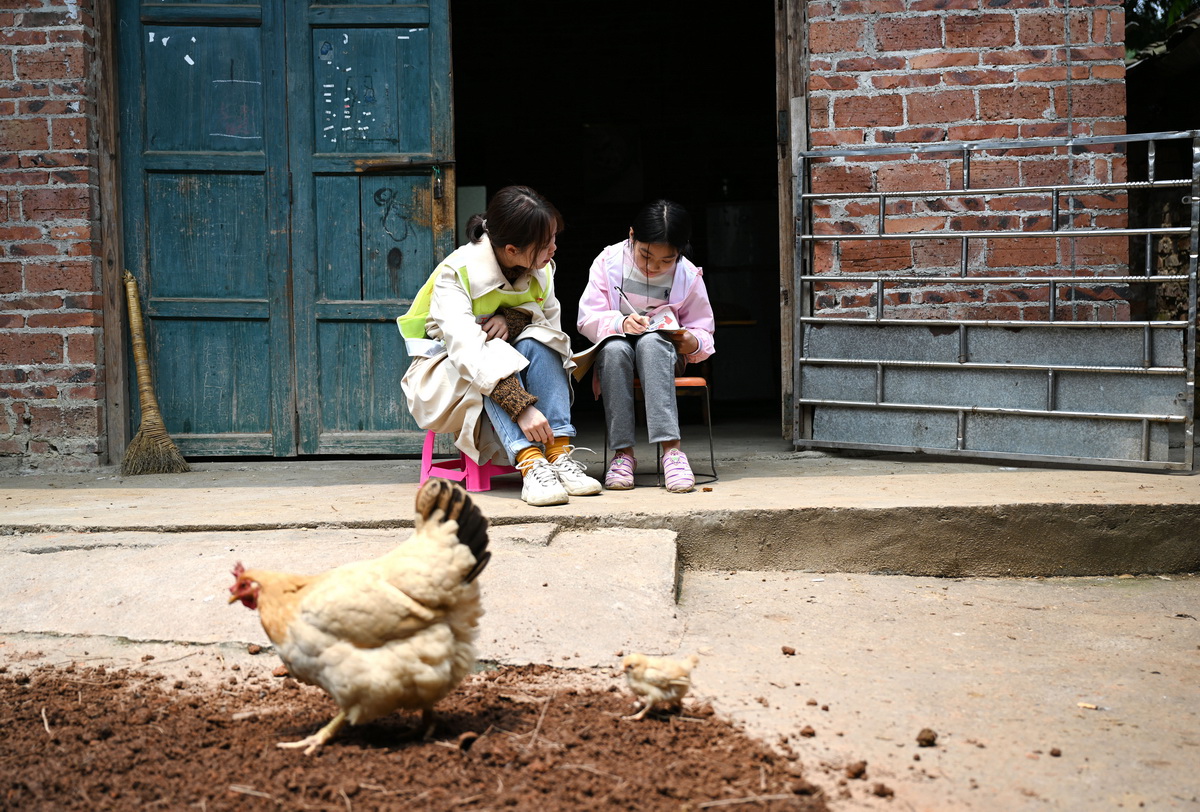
(653, 359)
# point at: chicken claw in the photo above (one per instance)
(313, 743)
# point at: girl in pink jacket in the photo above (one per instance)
(648, 304)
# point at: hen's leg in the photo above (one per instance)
(642, 713)
(428, 723)
(313, 742)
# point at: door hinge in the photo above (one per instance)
(439, 188)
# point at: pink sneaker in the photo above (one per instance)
(620, 472)
(677, 472)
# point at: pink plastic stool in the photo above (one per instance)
(475, 477)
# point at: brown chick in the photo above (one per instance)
(658, 679)
(395, 632)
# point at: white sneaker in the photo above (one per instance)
(573, 475)
(541, 486)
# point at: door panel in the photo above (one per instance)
(287, 180)
(204, 183)
(371, 213)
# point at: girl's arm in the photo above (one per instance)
(696, 316)
(598, 315)
(478, 360)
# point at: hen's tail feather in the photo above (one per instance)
(454, 503)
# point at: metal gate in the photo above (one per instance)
(881, 364)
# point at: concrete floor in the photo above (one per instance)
(786, 550)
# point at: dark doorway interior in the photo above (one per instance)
(604, 107)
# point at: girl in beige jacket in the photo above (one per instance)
(485, 335)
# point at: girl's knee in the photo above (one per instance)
(532, 348)
(616, 348)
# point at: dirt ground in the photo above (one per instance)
(512, 738)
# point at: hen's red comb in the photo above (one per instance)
(238, 569)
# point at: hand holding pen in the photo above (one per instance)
(635, 323)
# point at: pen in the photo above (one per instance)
(621, 291)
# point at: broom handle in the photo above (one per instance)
(141, 358)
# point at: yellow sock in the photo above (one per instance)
(526, 454)
(557, 447)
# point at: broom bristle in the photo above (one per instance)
(152, 451)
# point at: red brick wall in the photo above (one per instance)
(917, 71)
(51, 372)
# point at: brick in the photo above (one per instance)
(916, 135)
(1045, 73)
(52, 160)
(1014, 102)
(21, 36)
(835, 36)
(10, 321)
(69, 133)
(24, 178)
(32, 249)
(83, 348)
(944, 5)
(28, 392)
(72, 421)
(871, 63)
(71, 203)
(35, 303)
(980, 31)
(940, 108)
(909, 33)
(943, 59)
(847, 8)
(978, 77)
(10, 277)
(64, 320)
(1022, 56)
(83, 301)
(818, 113)
(868, 111)
(30, 348)
(72, 275)
(891, 81)
(1048, 29)
(75, 232)
(1108, 72)
(1023, 252)
(14, 233)
(1086, 101)
(875, 256)
(1098, 53)
(1109, 127)
(841, 178)
(1052, 129)
(93, 392)
(62, 62)
(25, 134)
(995, 173)
(983, 132)
(838, 138)
(909, 176)
(1102, 250)
(834, 82)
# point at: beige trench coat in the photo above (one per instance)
(445, 392)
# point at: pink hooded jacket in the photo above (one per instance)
(600, 314)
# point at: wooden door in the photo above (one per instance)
(287, 180)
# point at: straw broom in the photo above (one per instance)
(152, 450)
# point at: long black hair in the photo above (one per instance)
(517, 215)
(664, 222)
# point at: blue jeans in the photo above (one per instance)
(544, 378)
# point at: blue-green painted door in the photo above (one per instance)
(287, 184)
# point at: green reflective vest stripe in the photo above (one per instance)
(412, 323)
